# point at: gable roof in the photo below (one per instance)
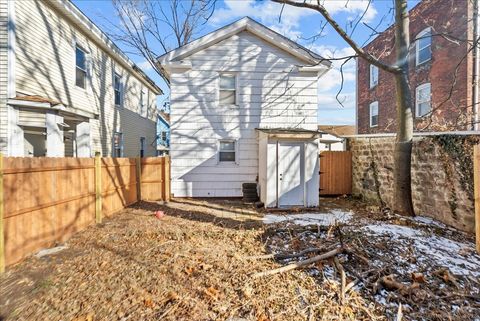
(310, 58)
(83, 23)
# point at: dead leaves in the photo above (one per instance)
(211, 293)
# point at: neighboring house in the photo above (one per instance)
(442, 73)
(332, 137)
(244, 103)
(163, 133)
(66, 89)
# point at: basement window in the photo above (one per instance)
(374, 114)
(423, 99)
(373, 76)
(228, 89)
(423, 46)
(227, 151)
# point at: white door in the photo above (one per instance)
(290, 174)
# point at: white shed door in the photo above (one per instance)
(290, 174)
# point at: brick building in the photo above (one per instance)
(441, 71)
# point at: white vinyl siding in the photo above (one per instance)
(423, 100)
(423, 46)
(3, 74)
(373, 76)
(270, 92)
(374, 114)
(46, 66)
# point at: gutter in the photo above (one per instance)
(476, 66)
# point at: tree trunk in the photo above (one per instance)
(403, 144)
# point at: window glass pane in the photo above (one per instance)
(80, 77)
(424, 94)
(373, 76)
(80, 58)
(227, 82)
(227, 145)
(116, 83)
(424, 55)
(425, 40)
(117, 97)
(227, 97)
(227, 156)
(423, 108)
(375, 120)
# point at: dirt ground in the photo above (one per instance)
(198, 263)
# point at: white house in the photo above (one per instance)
(244, 109)
(66, 89)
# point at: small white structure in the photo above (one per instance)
(244, 103)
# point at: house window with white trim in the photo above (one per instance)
(228, 89)
(374, 114)
(373, 76)
(117, 144)
(227, 151)
(117, 89)
(423, 46)
(80, 67)
(423, 104)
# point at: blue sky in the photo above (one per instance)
(298, 24)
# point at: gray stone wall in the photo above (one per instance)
(442, 175)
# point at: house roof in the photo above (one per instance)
(165, 116)
(68, 9)
(338, 130)
(310, 58)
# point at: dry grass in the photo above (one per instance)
(189, 265)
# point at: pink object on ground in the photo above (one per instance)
(159, 214)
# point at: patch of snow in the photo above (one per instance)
(50, 251)
(322, 219)
(428, 221)
(444, 252)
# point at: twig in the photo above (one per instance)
(340, 269)
(297, 265)
(285, 256)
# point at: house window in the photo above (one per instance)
(117, 144)
(423, 46)
(164, 136)
(374, 114)
(80, 67)
(373, 76)
(226, 151)
(117, 88)
(228, 89)
(142, 146)
(423, 100)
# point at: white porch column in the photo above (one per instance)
(16, 144)
(55, 144)
(83, 139)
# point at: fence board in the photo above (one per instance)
(335, 172)
(46, 200)
(476, 178)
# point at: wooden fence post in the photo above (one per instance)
(2, 235)
(138, 167)
(98, 188)
(476, 191)
(166, 178)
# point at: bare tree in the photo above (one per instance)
(152, 28)
(404, 138)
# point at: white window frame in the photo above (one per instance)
(418, 102)
(122, 139)
(235, 76)
(417, 46)
(373, 104)
(373, 69)
(235, 150)
(119, 75)
(86, 55)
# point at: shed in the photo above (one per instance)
(288, 167)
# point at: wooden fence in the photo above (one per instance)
(476, 178)
(335, 172)
(46, 200)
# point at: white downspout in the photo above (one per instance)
(476, 66)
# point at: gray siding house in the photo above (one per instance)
(66, 89)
